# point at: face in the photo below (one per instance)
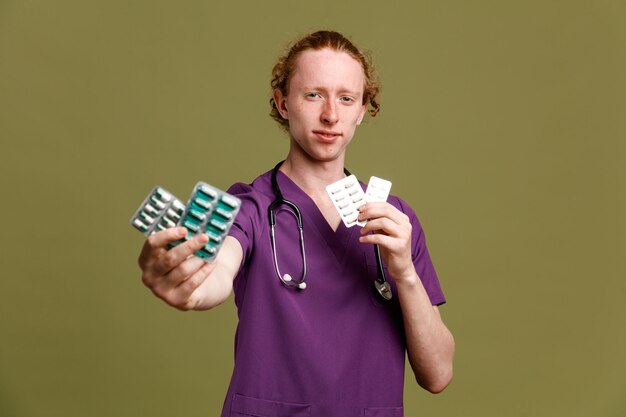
(324, 103)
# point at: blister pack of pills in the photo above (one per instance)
(347, 196)
(159, 210)
(377, 190)
(211, 211)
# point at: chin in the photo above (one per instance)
(325, 156)
(320, 152)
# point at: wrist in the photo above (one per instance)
(406, 278)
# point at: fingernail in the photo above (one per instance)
(181, 231)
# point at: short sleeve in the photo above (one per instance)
(248, 220)
(421, 258)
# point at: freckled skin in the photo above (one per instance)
(324, 103)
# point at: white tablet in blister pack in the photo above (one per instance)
(347, 196)
(377, 190)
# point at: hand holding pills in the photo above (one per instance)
(174, 274)
(347, 196)
(167, 259)
(382, 223)
(391, 229)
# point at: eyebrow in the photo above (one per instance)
(341, 90)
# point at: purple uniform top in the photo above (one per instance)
(334, 349)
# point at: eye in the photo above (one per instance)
(313, 95)
(346, 100)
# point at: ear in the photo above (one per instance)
(362, 115)
(281, 105)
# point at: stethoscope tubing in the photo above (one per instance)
(381, 284)
(289, 282)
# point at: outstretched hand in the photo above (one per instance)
(174, 275)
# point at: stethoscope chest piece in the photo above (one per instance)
(384, 289)
(381, 284)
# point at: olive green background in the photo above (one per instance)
(502, 124)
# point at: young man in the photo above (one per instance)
(330, 347)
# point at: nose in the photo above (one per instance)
(329, 114)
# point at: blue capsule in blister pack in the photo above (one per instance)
(211, 211)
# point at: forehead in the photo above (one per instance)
(327, 68)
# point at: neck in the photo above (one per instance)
(310, 175)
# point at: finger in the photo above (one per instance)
(183, 271)
(155, 245)
(376, 210)
(186, 289)
(175, 256)
(388, 245)
(175, 293)
(384, 225)
(383, 241)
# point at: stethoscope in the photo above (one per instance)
(380, 284)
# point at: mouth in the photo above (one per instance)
(327, 135)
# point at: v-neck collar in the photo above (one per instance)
(313, 220)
